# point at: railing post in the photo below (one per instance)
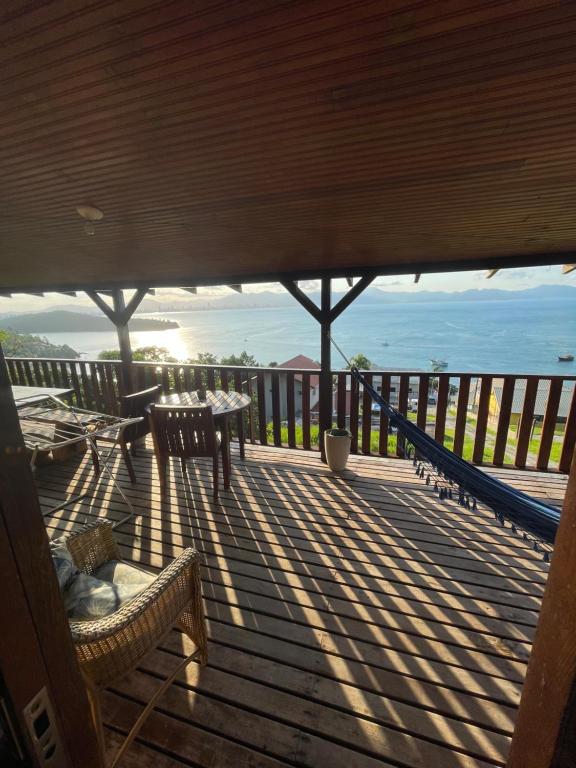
(325, 402)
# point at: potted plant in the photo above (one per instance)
(337, 445)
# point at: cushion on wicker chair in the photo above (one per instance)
(93, 597)
(120, 573)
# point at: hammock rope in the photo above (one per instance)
(454, 476)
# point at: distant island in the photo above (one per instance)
(63, 321)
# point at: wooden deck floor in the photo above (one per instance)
(353, 623)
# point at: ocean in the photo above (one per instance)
(515, 336)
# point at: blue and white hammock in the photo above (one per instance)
(465, 481)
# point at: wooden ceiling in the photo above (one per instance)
(232, 140)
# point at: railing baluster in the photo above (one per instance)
(341, 400)
(441, 407)
(549, 425)
(384, 421)
(276, 421)
(306, 442)
(569, 442)
(78, 392)
(165, 379)
(56, 374)
(47, 374)
(38, 377)
(28, 372)
(422, 413)
(366, 416)
(262, 416)
(87, 385)
(187, 371)
(11, 365)
(224, 379)
(251, 410)
(461, 415)
(526, 422)
(354, 406)
(98, 386)
(504, 420)
(482, 419)
(20, 374)
(403, 408)
(291, 409)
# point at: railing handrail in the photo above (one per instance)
(334, 371)
(459, 374)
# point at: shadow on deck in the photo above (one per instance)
(353, 622)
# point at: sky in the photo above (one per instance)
(506, 279)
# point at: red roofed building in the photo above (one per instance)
(299, 363)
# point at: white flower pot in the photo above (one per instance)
(337, 450)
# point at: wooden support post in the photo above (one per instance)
(36, 650)
(325, 402)
(123, 338)
(545, 733)
(119, 314)
(325, 315)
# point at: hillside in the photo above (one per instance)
(25, 345)
(61, 320)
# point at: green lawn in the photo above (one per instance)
(468, 446)
(374, 440)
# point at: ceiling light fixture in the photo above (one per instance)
(90, 214)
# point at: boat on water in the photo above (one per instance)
(565, 358)
(439, 365)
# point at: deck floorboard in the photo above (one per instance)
(354, 620)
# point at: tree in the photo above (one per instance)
(152, 354)
(205, 358)
(242, 359)
(26, 345)
(273, 364)
(361, 362)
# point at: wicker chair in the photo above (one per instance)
(113, 646)
(186, 432)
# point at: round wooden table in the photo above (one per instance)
(224, 405)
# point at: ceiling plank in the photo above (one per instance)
(248, 169)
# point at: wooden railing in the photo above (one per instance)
(500, 419)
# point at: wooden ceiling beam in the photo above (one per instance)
(567, 268)
(349, 297)
(133, 305)
(382, 270)
(417, 277)
(101, 304)
(492, 272)
(236, 287)
(302, 299)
